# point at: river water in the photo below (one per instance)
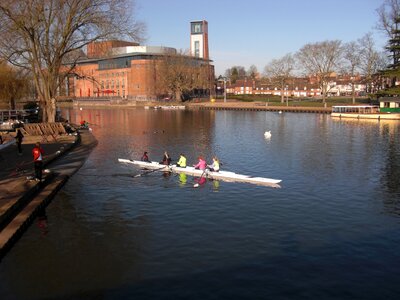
(332, 231)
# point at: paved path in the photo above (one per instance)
(21, 199)
(257, 106)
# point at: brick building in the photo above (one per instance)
(128, 70)
(298, 87)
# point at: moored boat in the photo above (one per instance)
(362, 112)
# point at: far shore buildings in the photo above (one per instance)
(128, 70)
(298, 87)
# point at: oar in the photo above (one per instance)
(196, 184)
(145, 173)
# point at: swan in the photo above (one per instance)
(267, 134)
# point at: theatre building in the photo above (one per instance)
(130, 71)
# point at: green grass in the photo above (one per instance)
(306, 102)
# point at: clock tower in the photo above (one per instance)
(199, 39)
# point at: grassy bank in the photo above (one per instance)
(307, 102)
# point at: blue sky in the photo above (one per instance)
(255, 31)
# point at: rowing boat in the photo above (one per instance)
(221, 175)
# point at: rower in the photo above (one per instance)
(182, 161)
(201, 165)
(145, 157)
(166, 159)
(215, 165)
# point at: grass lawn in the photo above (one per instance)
(307, 102)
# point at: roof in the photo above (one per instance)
(389, 99)
(355, 106)
(132, 54)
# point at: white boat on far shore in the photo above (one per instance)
(172, 106)
(362, 112)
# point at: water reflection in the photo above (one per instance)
(42, 221)
(138, 130)
(182, 179)
(383, 146)
(113, 235)
(215, 185)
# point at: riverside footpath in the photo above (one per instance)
(256, 106)
(22, 199)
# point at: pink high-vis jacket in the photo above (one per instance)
(201, 164)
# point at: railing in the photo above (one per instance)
(359, 109)
(6, 115)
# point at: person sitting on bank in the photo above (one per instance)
(145, 157)
(182, 161)
(84, 124)
(214, 167)
(166, 159)
(201, 164)
(68, 128)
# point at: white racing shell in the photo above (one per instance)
(221, 175)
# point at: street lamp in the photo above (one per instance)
(287, 96)
(224, 80)
(224, 89)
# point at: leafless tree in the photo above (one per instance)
(320, 60)
(234, 73)
(280, 71)
(388, 12)
(40, 35)
(252, 72)
(372, 61)
(14, 84)
(179, 74)
(352, 63)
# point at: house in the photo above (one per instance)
(297, 87)
(389, 104)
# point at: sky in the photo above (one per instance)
(253, 32)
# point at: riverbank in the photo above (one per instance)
(256, 106)
(208, 105)
(21, 199)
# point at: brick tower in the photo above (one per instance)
(199, 39)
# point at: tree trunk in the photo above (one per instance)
(43, 111)
(12, 103)
(50, 111)
(353, 93)
(324, 94)
(178, 96)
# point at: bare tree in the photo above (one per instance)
(320, 60)
(280, 71)
(372, 61)
(41, 35)
(234, 73)
(388, 12)
(179, 74)
(14, 84)
(252, 72)
(352, 63)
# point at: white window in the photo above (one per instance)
(197, 49)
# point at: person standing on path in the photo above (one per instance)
(37, 153)
(19, 138)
